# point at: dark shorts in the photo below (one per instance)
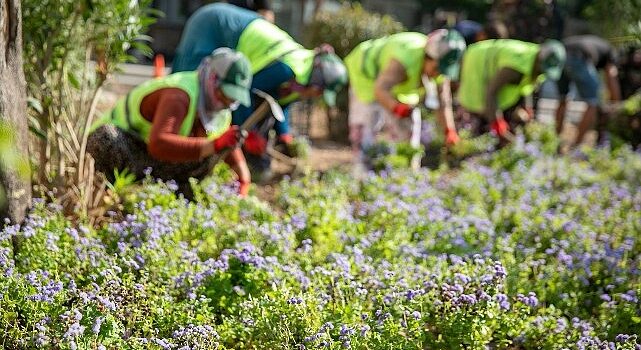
(584, 75)
(112, 148)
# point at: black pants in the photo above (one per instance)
(112, 148)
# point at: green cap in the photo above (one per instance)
(234, 73)
(330, 74)
(446, 46)
(552, 59)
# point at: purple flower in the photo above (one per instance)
(364, 330)
(530, 300)
(97, 324)
(295, 301)
(75, 330)
(502, 299)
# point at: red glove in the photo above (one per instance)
(229, 139)
(255, 144)
(500, 127)
(243, 188)
(286, 138)
(402, 110)
(451, 137)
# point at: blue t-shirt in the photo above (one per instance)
(269, 80)
(210, 27)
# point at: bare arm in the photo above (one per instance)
(445, 113)
(506, 76)
(393, 75)
(612, 81)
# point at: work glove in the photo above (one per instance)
(255, 143)
(285, 139)
(402, 110)
(451, 137)
(500, 127)
(230, 139)
(243, 188)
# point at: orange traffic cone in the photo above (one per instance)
(159, 66)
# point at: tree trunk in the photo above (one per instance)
(13, 109)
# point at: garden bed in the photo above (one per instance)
(518, 249)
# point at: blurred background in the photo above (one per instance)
(531, 20)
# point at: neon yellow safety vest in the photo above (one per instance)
(372, 57)
(126, 114)
(263, 43)
(483, 60)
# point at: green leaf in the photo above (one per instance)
(73, 80)
(37, 132)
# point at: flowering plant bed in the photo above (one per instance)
(518, 249)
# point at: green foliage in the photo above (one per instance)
(618, 20)
(348, 27)
(122, 181)
(300, 148)
(10, 159)
(516, 249)
(70, 47)
(625, 125)
(387, 155)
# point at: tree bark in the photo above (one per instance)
(13, 110)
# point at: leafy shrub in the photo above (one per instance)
(10, 159)
(386, 155)
(625, 125)
(349, 26)
(70, 48)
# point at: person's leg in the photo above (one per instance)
(113, 149)
(587, 122)
(406, 130)
(560, 115)
(586, 78)
(360, 133)
(563, 86)
(260, 164)
(415, 137)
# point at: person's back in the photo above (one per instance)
(483, 60)
(212, 26)
(372, 57)
(596, 49)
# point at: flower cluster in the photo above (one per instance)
(516, 249)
